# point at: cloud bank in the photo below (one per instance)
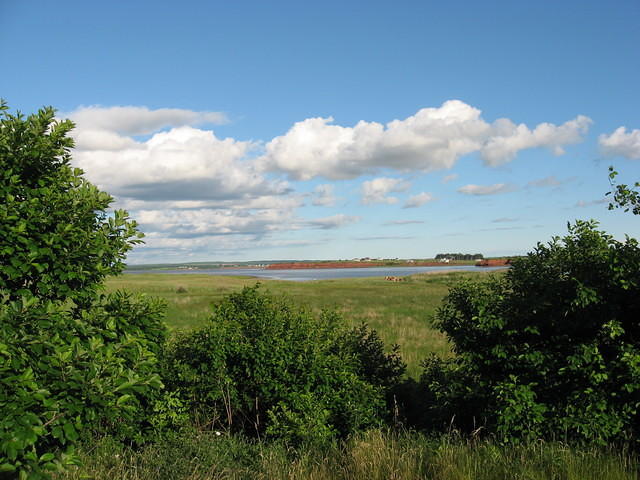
(432, 139)
(193, 191)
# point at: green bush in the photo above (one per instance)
(550, 349)
(265, 367)
(71, 358)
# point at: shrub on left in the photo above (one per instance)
(71, 357)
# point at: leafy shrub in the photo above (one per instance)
(71, 358)
(265, 367)
(550, 349)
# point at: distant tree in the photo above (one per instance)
(459, 256)
(624, 196)
(71, 357)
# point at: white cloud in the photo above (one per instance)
(334, 221)
(139, 120)
(376, 190)
(181, 164)
(323, 196)
(449, 178)
(508, 139)
(192, 191)
(418, 200)
(621, 143)
(212, 222)
(184, 163)
(486, 189)
(432, 139)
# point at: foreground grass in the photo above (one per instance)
(401, 312)
(370, 456)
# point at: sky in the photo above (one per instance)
(252, 130)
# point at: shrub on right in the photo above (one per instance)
(549, 350)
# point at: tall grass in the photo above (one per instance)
(375, 455)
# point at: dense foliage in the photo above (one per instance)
(550, 349)
(263, 366)
(71, 357)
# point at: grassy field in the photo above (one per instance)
(401, 312)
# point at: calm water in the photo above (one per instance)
(304, 275)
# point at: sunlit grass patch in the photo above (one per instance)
(401, 312)
(373, 455)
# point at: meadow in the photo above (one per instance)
(401, 312)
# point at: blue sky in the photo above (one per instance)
(295, 130)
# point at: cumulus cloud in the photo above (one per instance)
(189, 190)
(376, 190)
(621, 143)
(418, 200)
(508, 139)
(486, 189)
(334, 221)
(323, 196)
(432, 139)
(183, 163)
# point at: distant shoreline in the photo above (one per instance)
(314, 265)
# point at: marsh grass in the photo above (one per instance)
(375, 455)
(401, 312)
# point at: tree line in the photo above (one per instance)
(459, 256)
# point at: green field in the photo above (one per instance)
(401, 312)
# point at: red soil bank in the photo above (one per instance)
(495, 262)
(301, 265)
